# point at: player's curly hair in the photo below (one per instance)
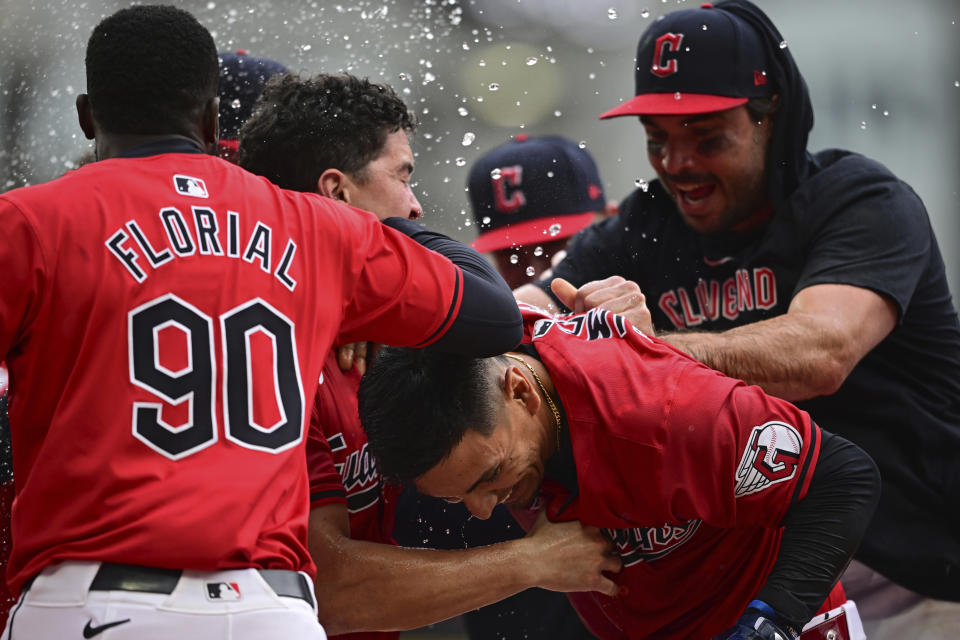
(417, 404)
(301, 127)
(150, 69)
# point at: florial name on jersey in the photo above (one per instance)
(201, 230)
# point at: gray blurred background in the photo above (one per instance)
(884, 77)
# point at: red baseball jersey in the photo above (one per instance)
(688, 471)
(165, 320)
(341, 468)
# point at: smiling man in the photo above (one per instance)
(732, 511)
(815, 275)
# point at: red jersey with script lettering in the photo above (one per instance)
(165, 320)
(342, 470)
(688, 471)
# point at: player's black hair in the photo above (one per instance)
(301, 127)
(417, 404)
(149, 70)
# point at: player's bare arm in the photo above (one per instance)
(414, 587)
(532, 294)
(807, 352)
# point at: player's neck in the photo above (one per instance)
(112, 145)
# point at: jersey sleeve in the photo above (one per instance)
(22, 274)
(396, 291)
(326, 483)
(713, 449)
(878, 236)
(735, 455)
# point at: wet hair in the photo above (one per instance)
(417, 404)
(150, 69)
(301, 127)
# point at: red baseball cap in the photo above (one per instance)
(697, 61)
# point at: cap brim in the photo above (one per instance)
(673, 104)
(532, 232)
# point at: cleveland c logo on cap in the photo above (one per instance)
(666, 42)
(514, 177)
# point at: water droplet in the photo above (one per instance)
(863, 125)
(486, 220)
(582, 144)
(460, 162)
(783, 44)
(514, 258)
(428, 78)
(885, 112)
(557, 113)
(467, 222)
(402, 76)
(555, 228)
(463, 111)
(704, 27)
(538, 251)
(612, 13)
(236, 103)
(677, 96)
(531, 271)
(494, 86)
(468, 138)
(873, 106)
(645, 14)
(495, 174)
(211, 6)
(956, 83)
(306, 47)
(642, 184)
(482, 63)
(532, 60)
(549, 174)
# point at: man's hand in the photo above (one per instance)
(758, 623)
(614, 294)
(356, 354)
(568, 556)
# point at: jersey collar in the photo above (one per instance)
(173, 144)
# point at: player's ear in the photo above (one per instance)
(333, 184)
(210, 125)
(518, 387)
(85, 116)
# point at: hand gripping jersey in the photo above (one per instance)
(689, 472)
(341, 468)
(165, 320)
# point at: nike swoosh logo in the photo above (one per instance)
(90, 631)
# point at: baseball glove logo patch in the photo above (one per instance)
(771, 456)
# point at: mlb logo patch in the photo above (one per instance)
(221, 591)
(190, 186)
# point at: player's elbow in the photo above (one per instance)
(833, 371)
(343, 606)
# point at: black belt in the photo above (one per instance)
(128, 577)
